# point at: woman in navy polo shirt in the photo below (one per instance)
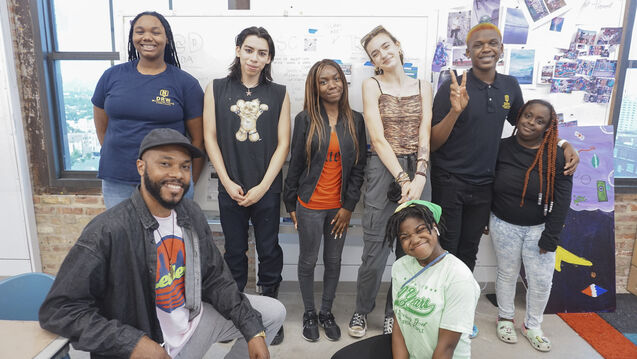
(147, 92)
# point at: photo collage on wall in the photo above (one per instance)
(586, 65)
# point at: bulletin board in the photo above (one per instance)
(206, 44)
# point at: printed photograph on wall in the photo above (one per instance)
(521, 65)
(458, 26)
(565, 69)
(516, 28)
(556, 24)
(605, 68)
(585, 37)
(546, 73)
(460, 58)
(562, 85)
(539, 12)
(609, 36)
(485, 11)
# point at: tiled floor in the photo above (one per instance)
(566, 343)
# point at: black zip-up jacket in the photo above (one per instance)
(103, 298)
(301, 182)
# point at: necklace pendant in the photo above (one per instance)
(172, 271)
(248, 93)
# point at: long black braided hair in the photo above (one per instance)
(392, 231)
(170, 52)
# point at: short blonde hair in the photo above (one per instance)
(483, 26)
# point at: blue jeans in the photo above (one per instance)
(235, 221)
(314, 225)
(116, 192)
(515, 245)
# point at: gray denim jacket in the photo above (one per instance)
(103, 298)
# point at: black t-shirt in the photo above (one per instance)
(513, 162)
(247, 130)
(472, 147)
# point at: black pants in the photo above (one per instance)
(465, 213)
(265, 219)
(378, 347)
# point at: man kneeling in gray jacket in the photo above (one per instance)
(145, 280)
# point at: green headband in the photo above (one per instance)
(434, 208)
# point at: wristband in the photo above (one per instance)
(421, 174)
(561, 143)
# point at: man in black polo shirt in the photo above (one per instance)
(468, 117)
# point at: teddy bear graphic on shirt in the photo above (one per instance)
(249, 112)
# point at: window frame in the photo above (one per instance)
(50, 88)
(624, 185)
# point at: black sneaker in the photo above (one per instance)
(358, 325)
(278, 338)
(388, 325)
(310, 326)
(332, 331)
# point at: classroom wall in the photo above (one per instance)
(60, 215)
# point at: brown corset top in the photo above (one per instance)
(401, 118)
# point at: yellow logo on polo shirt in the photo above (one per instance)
(163, 98)
(506, 105)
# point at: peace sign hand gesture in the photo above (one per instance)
(458, 93)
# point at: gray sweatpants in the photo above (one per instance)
(213, 327)
(378, 209)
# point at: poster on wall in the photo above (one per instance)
(485, 11)
(516, 28)
(584, 277)
(458, 26)
(521, 65)
(539, 12)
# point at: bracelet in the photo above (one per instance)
(421, 174)
(402, 177)
(422, 159)
(561, 143)
(260, 334)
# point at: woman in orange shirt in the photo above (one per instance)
(322, 186)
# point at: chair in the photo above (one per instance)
(22, 295)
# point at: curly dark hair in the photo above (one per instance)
(417, 211)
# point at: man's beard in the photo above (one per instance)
(154, 188)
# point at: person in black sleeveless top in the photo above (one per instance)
(247, 137)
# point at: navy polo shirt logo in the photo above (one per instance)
(163, 98)
(506, 105)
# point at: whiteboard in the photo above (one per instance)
(205, 46)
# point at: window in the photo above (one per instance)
(625, 112)
(78, 50)
(78, 39)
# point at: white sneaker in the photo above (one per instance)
(357, 325)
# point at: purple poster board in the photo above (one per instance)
(584, 277)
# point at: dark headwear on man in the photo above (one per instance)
(167, 136)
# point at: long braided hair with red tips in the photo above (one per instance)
(548, 146)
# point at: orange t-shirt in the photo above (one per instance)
(327, 194)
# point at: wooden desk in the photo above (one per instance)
(25, 339)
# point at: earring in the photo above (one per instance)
(436, 228)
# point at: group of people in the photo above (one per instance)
(145, 280)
